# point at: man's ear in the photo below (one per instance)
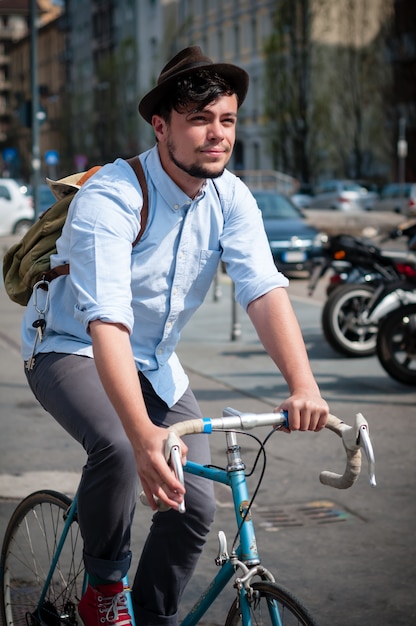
(159, 127)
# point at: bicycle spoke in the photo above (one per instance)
(30, 543)
(270, 605)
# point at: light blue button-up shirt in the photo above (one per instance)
(154, 287)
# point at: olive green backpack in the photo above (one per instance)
(28, 261)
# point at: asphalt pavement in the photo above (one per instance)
(350, 555)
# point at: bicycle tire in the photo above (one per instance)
(342, 323)
(396, 344)
(29, 544)
(291, 610)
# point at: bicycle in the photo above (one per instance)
(43, 576)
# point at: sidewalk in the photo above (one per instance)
(352, 557)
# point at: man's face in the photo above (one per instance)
(199, 143)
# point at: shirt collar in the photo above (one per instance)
(170, 192)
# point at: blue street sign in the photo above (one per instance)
(9, 154)
(52, 157)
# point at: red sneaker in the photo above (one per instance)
(104, 605)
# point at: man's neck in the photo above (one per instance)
(190, 185)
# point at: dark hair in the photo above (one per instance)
(199, 89)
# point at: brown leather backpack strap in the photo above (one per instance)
(59, 270)
(135, 163)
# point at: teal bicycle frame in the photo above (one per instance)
(245, 556)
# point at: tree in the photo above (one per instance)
(326, 81)
(115, 115)
(359, 80)
(288, 87)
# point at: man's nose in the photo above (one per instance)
(215, 130)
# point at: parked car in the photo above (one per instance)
(371, 194)
(342, 195)
(292, 240)
(16, 209)
(397, 197)
(46, 197)
(303, 196)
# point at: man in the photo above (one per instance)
(106, 368)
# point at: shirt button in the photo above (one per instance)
(176, 207)
(160, 351)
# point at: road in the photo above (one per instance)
(350, 555)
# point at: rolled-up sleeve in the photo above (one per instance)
(246, 250)
(103, 226)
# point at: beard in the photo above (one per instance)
(195, 170)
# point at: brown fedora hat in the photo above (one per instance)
(186, 62)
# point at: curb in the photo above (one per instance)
(366, 223)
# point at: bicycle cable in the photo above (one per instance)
(261, 451)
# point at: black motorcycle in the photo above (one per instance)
(358, 267)
(350, 260)
(396, 344)
(394, 310)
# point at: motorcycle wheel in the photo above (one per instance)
(396, 344)
(344, 324)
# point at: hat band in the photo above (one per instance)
(183, 69)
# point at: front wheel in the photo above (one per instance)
(344, 323)
(29, 546)
(396, 344)
(270, 604)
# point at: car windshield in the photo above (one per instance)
(351, 187)
(274, 205)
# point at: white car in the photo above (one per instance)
(342, 195)
(16, 209)
(398, 197)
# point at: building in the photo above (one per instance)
(16, 95)
(13, 26)
(100, 56)
(235, 32)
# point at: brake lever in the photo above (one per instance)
(365, 442)
(358, 436)
(353, 438)
(176, 465)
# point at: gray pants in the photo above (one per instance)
(69, 388)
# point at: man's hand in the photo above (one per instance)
(306, 411)
(156, 476)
